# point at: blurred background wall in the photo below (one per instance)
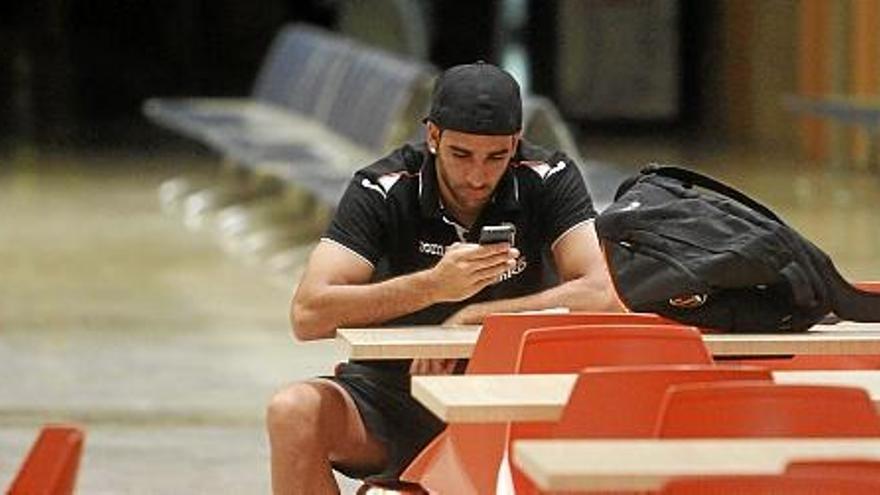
(74, 72)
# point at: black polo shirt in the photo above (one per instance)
(392, 216)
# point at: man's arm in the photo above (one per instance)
(585, 284)
(335, 290)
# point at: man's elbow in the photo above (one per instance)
(597, 294)
(306, 323)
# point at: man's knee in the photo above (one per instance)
(295, 413)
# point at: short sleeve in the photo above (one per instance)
(565, 199)
(360, 220)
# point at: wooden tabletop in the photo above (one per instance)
(646, 464)
(408, 342)
(458, 342)
(502, 398)
(494, 398)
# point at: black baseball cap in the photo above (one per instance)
(476, 98)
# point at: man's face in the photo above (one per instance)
(469, 167)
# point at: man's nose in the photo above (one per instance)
(477, 176)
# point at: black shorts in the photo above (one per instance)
(390, 414)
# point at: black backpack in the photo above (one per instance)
(715, 258)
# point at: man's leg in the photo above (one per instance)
(310, 424)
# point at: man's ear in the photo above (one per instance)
(516, 138)
(432, 137)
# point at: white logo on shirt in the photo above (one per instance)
(385, 183)
(544, 170)
(432, 248)
(520, 267)
(632, 206)
(369, 185)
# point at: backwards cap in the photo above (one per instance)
(477, 98)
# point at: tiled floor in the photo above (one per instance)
(114, 315)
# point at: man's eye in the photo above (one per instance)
(459, 155)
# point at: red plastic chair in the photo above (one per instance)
(766, 410)
(464, 458)
(51, 466)
(809, 362)
(868, 469)
(768, 485)
(869, 286)
(620, 402)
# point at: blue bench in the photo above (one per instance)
(321, 106)
(862, 111)
(859, 111)
(542, 124)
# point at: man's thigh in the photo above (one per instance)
(348, 440)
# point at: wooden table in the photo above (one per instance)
(647, 464)
(502, 398)
(458, 342)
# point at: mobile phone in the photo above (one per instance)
(491, 234)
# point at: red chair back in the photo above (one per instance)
(51, 466)
(566, 349)
(868, 469)
(600, 394)
(620, 402)
(766, 410)
(497, 348)
(872, 286)
(809, 362)
(768, 485)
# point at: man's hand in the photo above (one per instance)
(466, 269)
(432, 366)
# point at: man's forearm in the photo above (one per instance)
(582, 294)
(335, 306)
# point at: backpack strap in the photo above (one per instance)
(697, 179)
(849, 302)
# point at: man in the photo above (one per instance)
(402, 250)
